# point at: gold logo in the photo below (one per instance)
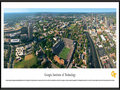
(113, 74)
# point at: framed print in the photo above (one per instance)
(60, 44)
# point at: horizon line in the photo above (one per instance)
(59, 12)
(83, 10)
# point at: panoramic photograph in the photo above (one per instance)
(59, 38)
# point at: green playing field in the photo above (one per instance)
(63, 54)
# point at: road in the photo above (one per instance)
(94, 58)
(71, 64)
(9, 64)
(11, 58)
(98, 56)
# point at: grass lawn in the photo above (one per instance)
(28, 57)
(28, 61)
(63, 54)
(72, 26)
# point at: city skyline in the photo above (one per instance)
(82, 10)
(60, 40)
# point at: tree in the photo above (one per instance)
(80, 62)
(76, 54)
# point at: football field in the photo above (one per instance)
(63, 54)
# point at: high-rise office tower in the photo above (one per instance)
(30, 31)
(105, 21)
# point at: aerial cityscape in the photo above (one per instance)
(46, 39)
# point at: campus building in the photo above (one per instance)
(19, 52)
(103, 57)
(60, 61)
(57, 47)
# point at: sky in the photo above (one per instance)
(20, 10)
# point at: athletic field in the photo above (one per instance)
(28, 61)
(63, 54)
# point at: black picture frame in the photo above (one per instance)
(60, 88)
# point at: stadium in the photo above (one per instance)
(64, 49)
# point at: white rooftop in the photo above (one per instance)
(102, 37)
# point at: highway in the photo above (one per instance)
(94, 58)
